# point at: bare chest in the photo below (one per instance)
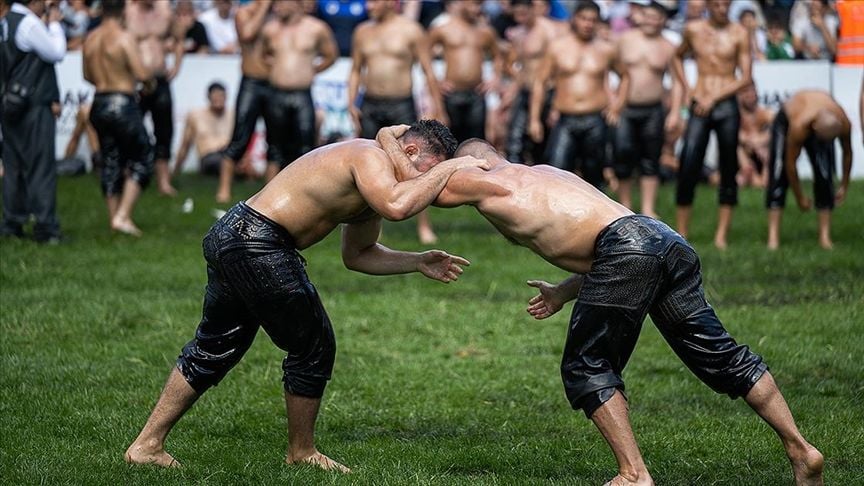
(717, 46)
(574, 59)
(143, 24)
(646, 55)
(294, 39)
(387, 43)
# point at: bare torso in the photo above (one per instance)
(646, 60)
(106, 61)
(294, 46)
(553, 212)
(465, 48)
(387, 50)
(716, 51)
(212, 132)
(151, 28)
(530, 45)
(755, 131)
(317, 192)
(580, 71)
(252, 53)
(803, 108)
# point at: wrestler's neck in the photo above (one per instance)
(293, 18)
(718, 23)
(387, 17)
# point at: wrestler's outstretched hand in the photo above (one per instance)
(549, 301)
(440, 265)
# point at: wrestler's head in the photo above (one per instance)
(827, 125)
(378, 9)
(113, 8)
(718, 11)
(426, 143)
(479, 149)
(748, 98)
(652, 19)
(286, 10)
(585, 19)
(523, 12)
(471, 10)
(216, 97)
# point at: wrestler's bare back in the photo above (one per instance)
(553, 212)
(317, 192)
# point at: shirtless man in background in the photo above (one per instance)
(209, 130)
(754, 137)
(624, 266)
(646, 56)
(719, 48)
(112, 64)
(811, 120)
(383, 52)
(253, 95)
(152, 24)
(466, 43)
(579, 64)
(292, 42)
(256, 273)
(529, 44)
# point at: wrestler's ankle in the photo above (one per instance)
(297, 454)
(635, 474)
(147, 444)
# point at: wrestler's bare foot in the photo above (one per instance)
(773, 244)
(167, 190)
(223, 198)
(142, 454)
(826, 243)
(807, 466)
(620, 480)
(427, 236)
(125, 226)
(720, 242)
(319, 460)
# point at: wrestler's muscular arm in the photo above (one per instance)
(327, 48)
(679, 81)
(179, 34)
(249, 22)
(553, 297)
(361, 252)
(420, 47)
(127, 42)
(538, 92)
(357, 63)
(846, 145)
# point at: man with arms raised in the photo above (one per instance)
(256, 276)
(646, 55)
(253, 95)
(466, 43)
(624, 266)
(579, 64)
(719, 48)
(208, 129)
(810, 120)
(153, 25)
(383, 51)
(293, 40)
(112, 64)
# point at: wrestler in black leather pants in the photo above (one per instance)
(639, 140)
(161, 109)
(252, 99)
(291, 119)
(123, 141)
(377, 113)
(578, 143)
(518, 141)
(467, 113)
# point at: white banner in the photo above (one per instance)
(775, 82)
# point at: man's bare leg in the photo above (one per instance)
(807, 462)
(424, 229)
(226, 177)
(302, 412)
(614, 423)
(122, 219)
(775, 217)
(648, 186)
(113, 202)
(163, 178)
(724, 219)
(625, 196)
(682, 219)
(175, 400)
(271, 171)
(825, 229)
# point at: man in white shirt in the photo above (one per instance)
(28, 51)
(219, 22)
(815, 37)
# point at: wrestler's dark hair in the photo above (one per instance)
(587, 5)
(113, 8)
(658, 7)
(436, 138)
(214, 86)
(514, 3)
(478, 148)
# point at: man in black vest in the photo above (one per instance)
(28, 51)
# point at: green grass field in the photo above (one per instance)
(433, 384)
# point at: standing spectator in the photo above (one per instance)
(195, 40)
(778, 45)
(815, 37)
(76, 18)
(343, 16)
(219, 22)
(29, 51)
(750, 21)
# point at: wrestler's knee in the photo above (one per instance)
(307, 374)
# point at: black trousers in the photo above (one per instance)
(822, 159)
(252, 99)
(377, 113)
(519, 143)
(643, 267)
(256, 277)
(123, 141)
(638, 140)
(161, 108)
(30, 182)
(578, 143)
(724, 119)
(467, 113)
(290, 120)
